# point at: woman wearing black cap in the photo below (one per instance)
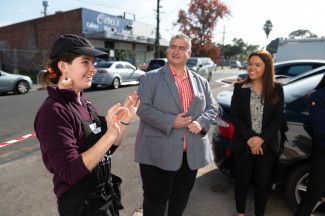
(75, 142)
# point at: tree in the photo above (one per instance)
(267, 28)
(200, 21)
(238, 50)
(301, 33)
(210, 50)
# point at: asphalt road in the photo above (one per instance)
(26, 187)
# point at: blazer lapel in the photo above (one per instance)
(196, 94)
(172, 86)
(266, 111)
(246, 104)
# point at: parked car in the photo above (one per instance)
(292, 170)
(235, 64)
(203, 66)
(156, 63)
(291, 68)
(243, 66)
(14, 83)
(116, 73)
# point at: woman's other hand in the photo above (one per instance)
(113, 118)
(131, 104)
(255, 144)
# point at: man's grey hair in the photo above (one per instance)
(183, 37)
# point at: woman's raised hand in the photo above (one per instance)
(131, 104)
(113, 118)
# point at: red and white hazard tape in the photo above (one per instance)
(3, 144)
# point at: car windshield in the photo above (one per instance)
(191, 62)
(104, 65)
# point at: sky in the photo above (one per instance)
(246, 20)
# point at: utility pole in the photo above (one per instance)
(223, 44)
(157, 49)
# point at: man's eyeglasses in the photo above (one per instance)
(181, 48)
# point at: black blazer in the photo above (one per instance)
(273, 118)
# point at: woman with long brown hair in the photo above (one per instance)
(257, 111)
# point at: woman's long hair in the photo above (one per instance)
(268, 92)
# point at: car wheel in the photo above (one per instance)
(116, 83)
(22, 87)
(296, 186)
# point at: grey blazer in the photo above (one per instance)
(157, 142)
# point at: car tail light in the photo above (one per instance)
(225, 128)
(228, 152)
(102, 71)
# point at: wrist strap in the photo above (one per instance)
(124, 123)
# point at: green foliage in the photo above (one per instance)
(302, 33)
(124, 55)
(238, 50)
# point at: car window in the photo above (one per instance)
(295, 70)
(205, 61)
(119, 66)
(129, 66)
(104, 65)
(191, 62)
(296, 94)
(157, 63)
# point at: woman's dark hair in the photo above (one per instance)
(53, 73)
(268, 92)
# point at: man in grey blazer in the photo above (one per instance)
(172, 143)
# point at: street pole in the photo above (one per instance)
(157, 49)
(223, 44)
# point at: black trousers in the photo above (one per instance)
(316, 185)
(259, 167)
(160, 186)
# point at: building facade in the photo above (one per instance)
(26, 45)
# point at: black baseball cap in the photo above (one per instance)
(77, 44)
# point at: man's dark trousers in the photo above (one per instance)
(160, 186)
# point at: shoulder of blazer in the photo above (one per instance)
(278, 88)
(238, 85)
(197, 76)
(153, 75)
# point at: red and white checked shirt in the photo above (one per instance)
(185, 92)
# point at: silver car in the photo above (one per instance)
(14, 83)
(116, 73)
(203, 66)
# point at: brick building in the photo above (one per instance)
(25, 45)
